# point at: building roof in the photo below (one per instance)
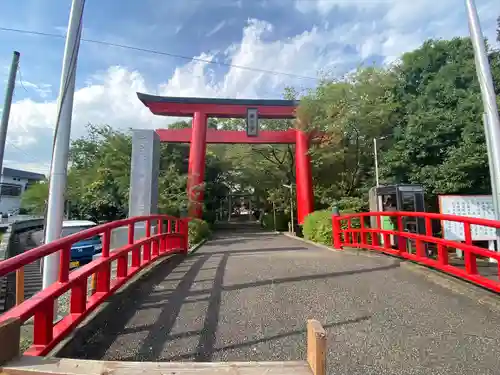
(11, 172)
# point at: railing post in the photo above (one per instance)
(470, 258)
(428, 233)
(169, 226)
(442, 255)
(374, 235)
(43, 323)
(104, 272)
(185, 235)
(428, 227)
(401, 241)
(146, 256)
(347, 232)
(78, 296)
(386, 237)
(136, 251)
(419, 251)
(19, 286)
(336, 229)
(64, 259)
(362, 228)
(161, 241)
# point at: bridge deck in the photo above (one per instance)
(246, 297)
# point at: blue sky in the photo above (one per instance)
(299, 37)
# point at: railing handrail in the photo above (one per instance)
(129, 259)
(24, 310)
(379, 239)
(11, 264)
(434, 216)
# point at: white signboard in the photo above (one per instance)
(478, 206)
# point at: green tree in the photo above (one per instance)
(498, 29)
(439, 137)
(34, 198)
(350, 113)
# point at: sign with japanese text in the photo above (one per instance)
(478, 206)
(252, 122)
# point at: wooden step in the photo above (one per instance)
(24, 365)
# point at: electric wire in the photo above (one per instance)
(162, 53)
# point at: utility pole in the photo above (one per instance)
(375, 153)
(292, 226)
(491, 118)
(9, 93)
(59, 166)
(274, 216)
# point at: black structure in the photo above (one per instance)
(401, 197)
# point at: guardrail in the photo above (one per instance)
(14, 227)
(48, 331)
(353, 231)
(8, 249)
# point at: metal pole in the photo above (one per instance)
(376, 160)
(9, 93)
(274, 216)
(492, 120)
(59, 166)
(493, 177)
(493, 172)
(291, 208)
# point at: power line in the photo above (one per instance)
(161, 53)
(30, 158)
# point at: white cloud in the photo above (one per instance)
(392, 27)
(217, 28)
(110, 96)
(42, 89)
(325, 6)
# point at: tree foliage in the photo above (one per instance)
(425, 110)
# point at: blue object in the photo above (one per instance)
(83, 251)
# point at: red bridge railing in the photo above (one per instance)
(354, 230)
(170, 237)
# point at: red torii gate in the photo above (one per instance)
(198, 136)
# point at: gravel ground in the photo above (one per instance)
(247, 296)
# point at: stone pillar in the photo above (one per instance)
(145, 167)
(196, 171)
(303, 174)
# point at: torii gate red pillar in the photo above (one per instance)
(196, 170)
(303, 176)
(198, 136)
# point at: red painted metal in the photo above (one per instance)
(196, 171)
(46, 333)
(303, 175)
(219, 110)
(214, 136)
(469, 271)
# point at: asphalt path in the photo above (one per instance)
(247, 296)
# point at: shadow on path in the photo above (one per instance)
(94, 339)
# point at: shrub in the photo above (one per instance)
(281, 221)
(198, 230)
(318, 227)
(352, 205)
